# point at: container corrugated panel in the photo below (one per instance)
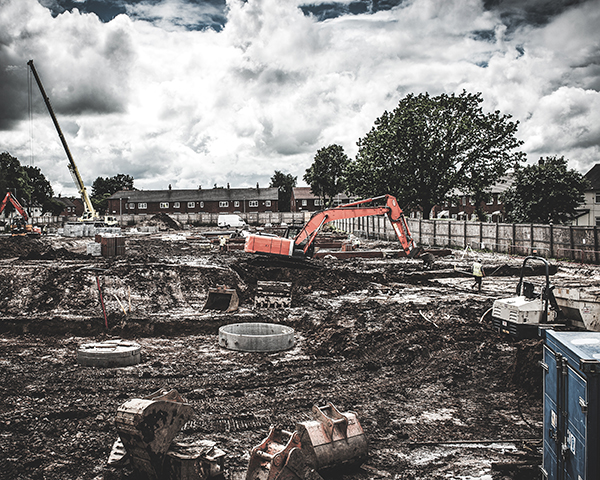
(571, 405)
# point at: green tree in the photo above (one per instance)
(430, 147)
(42, 191)
(103, 188)
(285, 184)
(545, 192)
(14, 179)
(27, 183)
(326, 175)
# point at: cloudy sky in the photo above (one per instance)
(191, 92)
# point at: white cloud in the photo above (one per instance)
(187, 107)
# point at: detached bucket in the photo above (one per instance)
(256, 337)
(222, 298)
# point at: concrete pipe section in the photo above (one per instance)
(256, 337)
(110, 353)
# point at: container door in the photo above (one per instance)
(574, 442)
(551, 411)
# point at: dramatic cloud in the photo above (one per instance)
(195, 93)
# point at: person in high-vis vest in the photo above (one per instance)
(478, 273)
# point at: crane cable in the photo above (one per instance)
(30, 112)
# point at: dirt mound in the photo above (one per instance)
(163, 222)
(27, 248)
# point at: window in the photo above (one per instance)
(464, 200)
(132, 206)
(267, 203)
(176, 205)
(597, 197)
(490, 201)
(253, 203)
(164, 204)
(304, 203)
(201, 204)
(236, 203)
(142, 206)
(317, 202)
(223, 204)
(191, 204)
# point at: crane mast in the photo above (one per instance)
(89, 212)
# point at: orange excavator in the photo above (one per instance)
(303, 244)
(19, 225)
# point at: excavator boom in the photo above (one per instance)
(304, 240)
(8, 197)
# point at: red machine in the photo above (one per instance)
(19, 226)
(302, 244)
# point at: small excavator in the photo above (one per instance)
(19, 225)
(303, 244)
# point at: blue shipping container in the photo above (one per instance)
(571, 405)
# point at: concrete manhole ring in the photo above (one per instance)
(110, 353)
(256, 337)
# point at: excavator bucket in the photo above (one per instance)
(147, 426)
(273, 294)
(333, 441)
(275, 460)
(222, 298)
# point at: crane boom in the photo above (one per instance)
(90, 212)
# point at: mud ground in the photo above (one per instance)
(438, 393)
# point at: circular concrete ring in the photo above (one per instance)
(111, 353)
(256, 337)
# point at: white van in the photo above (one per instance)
(236, 221)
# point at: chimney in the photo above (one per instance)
(169, 186)
(199, 187)
(541, 161)
(227, 185)
(257, 186)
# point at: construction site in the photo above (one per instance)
(395, 358)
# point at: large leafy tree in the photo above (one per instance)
(430, 147)
(284, 182)
(545, 192)
(103, 188)
(326, 174)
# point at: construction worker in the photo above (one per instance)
(478, 274)
(222, 243)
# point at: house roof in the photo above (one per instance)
(303, 193)
(593, 176)
(67, 202)
(197, 195)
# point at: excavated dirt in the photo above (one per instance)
(438, 393)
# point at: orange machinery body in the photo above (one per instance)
(268, 244)
(301, 244)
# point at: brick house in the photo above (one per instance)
(214, 200)
(464, 208)
(72, 206)
(303, 200)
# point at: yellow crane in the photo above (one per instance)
(89, 213)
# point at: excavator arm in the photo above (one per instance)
(304, 240)
(15, 204)
(391, 208)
